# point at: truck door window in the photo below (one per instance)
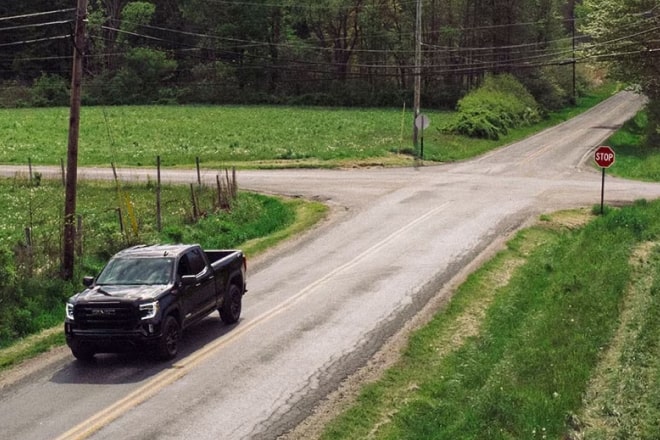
(184, 266)
(191, 263)
(196, 261)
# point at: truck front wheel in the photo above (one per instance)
(168, 344)
(230, 311)
(82, 353)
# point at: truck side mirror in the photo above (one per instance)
(188, 280)
(88, 281)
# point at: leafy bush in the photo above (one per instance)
(652, 127)
(13, 95)
(552, 86)
(501, 103)
(49, 91)
(28, 305)
(142, 76)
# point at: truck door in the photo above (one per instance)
(198, 298)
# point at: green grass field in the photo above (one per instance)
(242, 136)
(134, 136)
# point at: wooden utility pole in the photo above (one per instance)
(68, 253)
(574, 93)
(417, 71)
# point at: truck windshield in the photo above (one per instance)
(122, 271)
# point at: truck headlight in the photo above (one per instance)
(69, 311)
(149, 310)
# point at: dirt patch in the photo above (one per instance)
(31, 366)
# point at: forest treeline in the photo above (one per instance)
(314, 52)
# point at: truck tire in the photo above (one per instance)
(168, 344)
(230, 310)
(83, 354)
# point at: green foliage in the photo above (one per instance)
(13, 94)
(29, 305)
(49, 91)
(620, 31)
(652, 132)
(500, 104)
(251, 216)
(279, 51)
(635, 158)
(141, 78)
(552, 86)
(136, 14)
(213, 82)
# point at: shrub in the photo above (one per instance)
(13, 95)
(28, 305)
(501, 103)
(49, 90)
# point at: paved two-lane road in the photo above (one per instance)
(319, 307)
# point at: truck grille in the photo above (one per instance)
(116, 316)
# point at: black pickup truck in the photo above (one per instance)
(146, 295)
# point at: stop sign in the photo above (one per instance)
(604, 156)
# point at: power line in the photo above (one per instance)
(36, 40)
(486, 63)
(35, 25)
(37, 14)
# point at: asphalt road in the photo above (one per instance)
(318, 308)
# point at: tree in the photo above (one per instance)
(247, 39)
(25, 37)
(626, 35)
(336, 25)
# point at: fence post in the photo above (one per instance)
(159, 223)
(28, 248)
(199, 176)
(79, 233)
(63, 172)
(194, 202)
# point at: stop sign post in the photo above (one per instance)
(422, 122)
(604, 158)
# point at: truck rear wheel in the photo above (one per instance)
(230, 311)
(168, 344)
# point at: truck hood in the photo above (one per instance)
(105, 293)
